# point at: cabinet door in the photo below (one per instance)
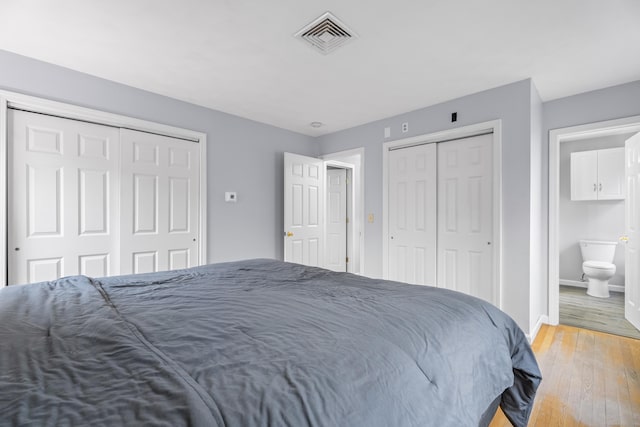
(611, 181)
(584, 175)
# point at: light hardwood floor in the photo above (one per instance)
(589, 379)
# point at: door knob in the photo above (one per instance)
(624, 239)
(288, 234)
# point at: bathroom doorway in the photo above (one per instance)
(575, 217)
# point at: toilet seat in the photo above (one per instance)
(599, 265)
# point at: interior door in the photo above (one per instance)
(465, 216)
(160, 202)
(412, 215)
(62, 206)
(303, 210)
(336, 247)
(632, 225)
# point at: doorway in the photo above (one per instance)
(314, 233)
(557, 138)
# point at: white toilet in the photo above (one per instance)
(598, 265)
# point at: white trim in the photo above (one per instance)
(556, 137)
(357, 167)
(494, 126)
(584, 285)
(45, 106)
(543, 319)
(3, 191)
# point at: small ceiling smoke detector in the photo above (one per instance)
(326, 33)
(315, 124)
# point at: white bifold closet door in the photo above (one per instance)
(441, 215)
(465, 216)
(62, 210)
(159, 202)
(412, 215)
(97, 200)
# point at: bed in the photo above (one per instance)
(257, 343)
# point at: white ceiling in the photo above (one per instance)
(240, 56)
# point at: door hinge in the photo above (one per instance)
(347, 259)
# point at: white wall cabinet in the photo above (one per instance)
(598, 174)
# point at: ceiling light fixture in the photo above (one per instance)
(315, 124)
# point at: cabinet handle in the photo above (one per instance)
(600, 189)
(595, 188)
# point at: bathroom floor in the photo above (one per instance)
(598, 314)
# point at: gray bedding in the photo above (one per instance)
(256, 343)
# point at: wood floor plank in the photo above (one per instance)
(589, 379)
(587, 375)
(631, 356)
(598, 413)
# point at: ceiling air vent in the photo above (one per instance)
(326, 33)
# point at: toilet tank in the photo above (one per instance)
(595, 250)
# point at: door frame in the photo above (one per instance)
(34, 104)
(556, 137)
(494, 126)
(354, 160)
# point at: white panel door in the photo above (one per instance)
(632, 225)
(303, 210)
(336, 247)
(62, 209)
(160, 202)
(465, 216)
(412, 215)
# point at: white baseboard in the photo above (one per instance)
(543, 319)
(578, 284)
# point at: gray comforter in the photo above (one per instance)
(256, 343)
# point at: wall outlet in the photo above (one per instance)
(405, 127)
(230, 196)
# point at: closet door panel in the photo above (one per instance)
(465, 216)
(412, 215)
(159, 205)
(62, 181)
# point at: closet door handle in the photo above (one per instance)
(600, 188)
(595, 188)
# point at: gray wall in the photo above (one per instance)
(243, 155)
(591, 220)
(512, 104)
(538, 238)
